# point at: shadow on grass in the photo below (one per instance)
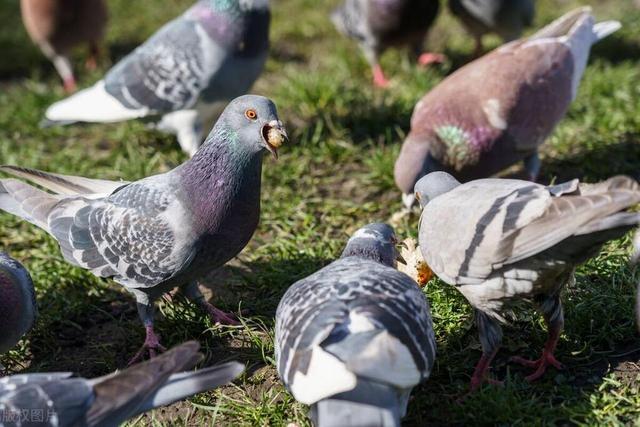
(588, 356)
(595, 163)
(106, 334)
(616, 49)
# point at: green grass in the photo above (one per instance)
(335, 176)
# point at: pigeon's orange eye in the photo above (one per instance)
(251, 114)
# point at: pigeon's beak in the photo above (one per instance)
(399, 257)
(274, 135)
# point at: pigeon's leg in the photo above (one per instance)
(152, 341)
(371, 53)
(532, 166)
(62, 66)
(425, 59)
(379, 79)
(91, 63)
(478, 50)
(192, 292)
(185, 124)
(551, 308)
(490, 337)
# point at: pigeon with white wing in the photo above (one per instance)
(354, 338)
(209, 55)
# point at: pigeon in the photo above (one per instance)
(355, 337)
(379, 24)
(497, 110)
(504, 241)
(57, 26)
(64, 399)
(211, 54)
(506, 18)
(18, 308)
(165, 230)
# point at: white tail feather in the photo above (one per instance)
(605, 28)
(93, 104)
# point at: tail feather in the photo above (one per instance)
(605, 28)
(619, 220)
(570, 23)
(93, 104)
(563, 25)
(369, 404)
(181, 386)
(27, 202)
(64, 184)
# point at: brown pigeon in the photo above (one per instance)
(498, 109)
(57, 26)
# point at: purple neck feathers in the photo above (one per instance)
(225, 172)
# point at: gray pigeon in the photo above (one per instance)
(380, 24)
(62, 399)
(354, 338)
(166, 230)
(506, 18)
(17, 302)
(497, 110)
(504, 241)
(211, 54)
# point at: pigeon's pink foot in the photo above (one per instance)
(540, 365)
(429, 58)
(220, 317)
(69, 85)
(151, 345)
(480, 374)
(379, 80)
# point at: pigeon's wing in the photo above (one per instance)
(402, 340)
(51, 399)
(305, 317)
(507, 221)
(593, 210)
(351, 19)
(166, 73)
(136, 235)
(479, 209)
(120, 396)
(354, 321)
